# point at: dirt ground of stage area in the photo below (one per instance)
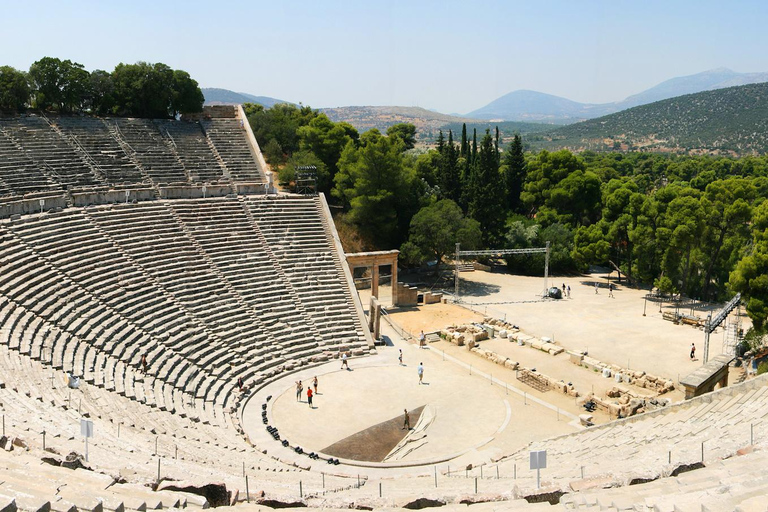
(611, 329)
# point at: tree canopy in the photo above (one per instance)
(14, 89)
(140, 90)
(378, 185)
(435, 230)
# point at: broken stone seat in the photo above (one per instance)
(33, 484)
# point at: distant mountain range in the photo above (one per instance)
(428, 123)
(729, 121)
(214, 96)
(366, 117)
(525, 105)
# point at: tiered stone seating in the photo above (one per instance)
(152, 150)
(294, 229)
(153, 239)
(18, 174)
(52, 155)
(232, 145)
(738, 483)
(193, 149)
(39, 154)
(159, 328)
(92, 134)
(130, 436)
(232, 243)
(642, 446)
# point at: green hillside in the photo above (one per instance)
(730, 121)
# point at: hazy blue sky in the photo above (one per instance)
(449, 56)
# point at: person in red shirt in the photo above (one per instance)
(309, 397)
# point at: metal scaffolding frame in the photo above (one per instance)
(499, 253)
(712, 323)
(306, 180)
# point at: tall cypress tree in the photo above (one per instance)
(450, 176)
(514, 174)
(486, 195)
(464, 142)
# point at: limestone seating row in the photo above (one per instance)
(144, 389)
(69, 354)
(103, 310)
(63, 489)
(116, 342)
(45, 405)
(180, 268)
(722, 423)
(18, 173)
(35, 139)
(92, 134)
(232, 145)
(193, 150)
(310, 264)
(26, 415)
(158, 160)
(191, 281)
(235, 239)
(294, 335)
(66, 152)
(723, 485)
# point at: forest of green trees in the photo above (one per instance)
(136, 90)
(696, 225)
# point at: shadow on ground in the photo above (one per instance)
(373, 443)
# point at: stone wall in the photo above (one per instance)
(263, 165)
(86, 198)
(18, 205)
(432, 298)
(195, 192)
(407, 295)
(250, 189)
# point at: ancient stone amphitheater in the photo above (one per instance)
(148, 258)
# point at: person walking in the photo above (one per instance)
(569, 291)
(309, 397)
(314, 383)
(344, 363)
(420, 371)
(596, 285)
(400, 357)
(693, 352)
(610, 290)
(299, 389)
(422, 340)
(406, 421)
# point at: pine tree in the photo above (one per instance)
(514, 174)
